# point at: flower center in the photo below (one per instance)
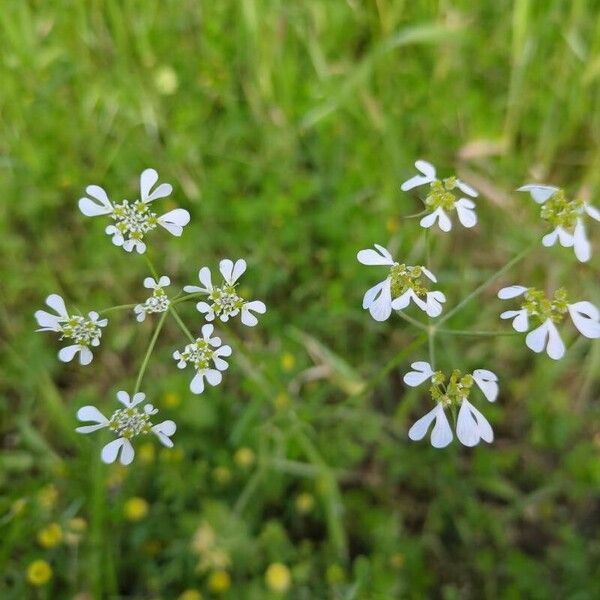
(561, 212)
(406, 277)
(81, 330)
(225, 301)
(441, 194)
(157, 303)
(134, 219)
(129, 422)
(537, 305)
(200, 353)
(454, 392)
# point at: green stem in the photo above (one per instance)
(466, 332)
(189, 297)
(412, 321)
(118, 307)
(150, 266)
(431, 346)
(486, 283)
(144, 364)
(181, 324)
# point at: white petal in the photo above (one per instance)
(403, 300)
(441, 435)
(123, 398)
(213, 376)
(150, 283)
(467, 430)
(550, 238)
(137, 398)
(207, 331)
(444, 222)
(371, 257)
(147, 179)
(540, 193)
(203, 307)
(193, 289)
(583, 249)
(197, 383)
(466, 189)
(521, 320)
(46, 321)
(68, 353)
(247, 317)
(91, 413)
(380, 305)
(111, 450)
(55, 302)
(592, 211)
(422, 372)
(512, 291)
(428, 175)
(485, 429)
(232, 272)
(565, 238)
(205, 278)
(434, 302)
(555, 348)
(536, 339)
(419, 430)
(585, 317)
(164, 431)
(85, 356)
(175, 220)
(487, 382)
(429, 274)
(164, 281)
(102, 206)
(466, 216)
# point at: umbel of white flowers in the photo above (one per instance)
(403, 285)
(547, 313)
(126, 423)
(133, 220)
(444, 197)
(565, 216)
(84, 333)
(205, 354)
(471, 425)
(223, 300)
(158, 302)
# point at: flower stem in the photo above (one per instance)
(466, 332)
(188, 297)
(181, 324)
(412, 321)
(149, 351)
(486, 283)
(118, 307)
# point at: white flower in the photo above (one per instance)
(471, 426)
(127, 423)
(403, 285)
(83, 332)
(200, 354)
(132, 221)
(565, 216)
(158, 302)
(224, 300)
(442, 198)
(547, 313)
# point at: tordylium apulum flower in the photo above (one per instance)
(444, 196)
(223, 300)
(453, 392)
(83, 332)
(403, 284)
(126, 423)
(566, 218)
(133, 220)
(545, 314)
(158, 302)
(200, 354)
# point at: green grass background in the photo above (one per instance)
(286, 128)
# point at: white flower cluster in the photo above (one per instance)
(131, 222)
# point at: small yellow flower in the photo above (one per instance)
(288, 361)
(50, 536)
(278, 577)
(135, 509)
(48, 496)
(75, 529)
(166, 81)
(171, 400)
(203, 539)
(304, 502)
(244, 457)
(39, 573)
(219, 581)
(190, 595)
(222, 475)
(146, 453)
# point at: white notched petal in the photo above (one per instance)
(85, 356)
(583, 248)
(203, 307)
(164, 431)
(556, 347)
(540, 193)
(91, 413)
(247, 317)
(175, 220)
(197, 383)
(536, 339)
(111, 450)
(55, 302)
(207, 331)
(441, 435)
(419, 429)
(422, 372)
(472, 426)
(487, 382)
(564, 237)
(164, 281)
(592, 211)
(371, 257)
(150, 283)
(434, 301)
(101, 205)
(47, 321)
(403, 300)
(205, 278)
(137, 398)
(546, 336)
(467, 189)
(428, 175)
(67, 353)
(444, 222)
(521, 319)
(232, 271)
(123, 398)
(147, 179)
(586, 318)
(379, 300)
(213, 376)
(512, 291)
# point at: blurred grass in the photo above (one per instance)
(286, 128)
